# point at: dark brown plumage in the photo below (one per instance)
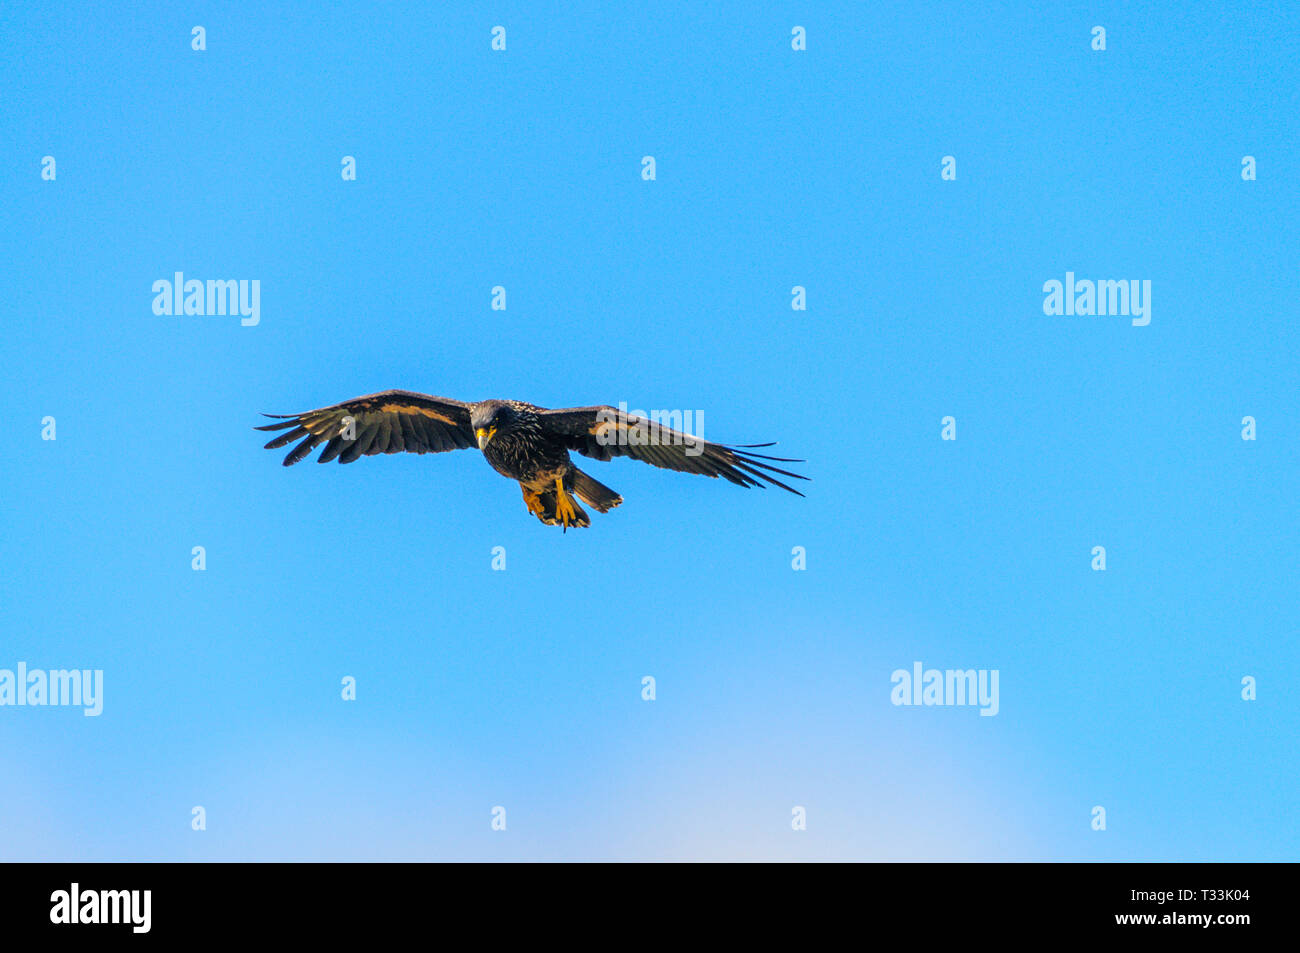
(521, 441)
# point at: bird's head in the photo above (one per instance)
(491, 419)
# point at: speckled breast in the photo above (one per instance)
(525, 460)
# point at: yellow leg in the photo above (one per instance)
(563, 505)
(533, 501)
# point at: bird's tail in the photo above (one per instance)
(593, 492)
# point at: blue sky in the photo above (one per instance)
(774, 168)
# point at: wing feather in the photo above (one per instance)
(392, 421)
(605, 432)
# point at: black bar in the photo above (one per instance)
(931, 901)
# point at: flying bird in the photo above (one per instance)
(521, 441)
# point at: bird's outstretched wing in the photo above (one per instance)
(388, 422)
(605, 432)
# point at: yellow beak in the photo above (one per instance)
(484, 434)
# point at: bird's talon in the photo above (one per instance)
(534, 502)
(563, 505)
